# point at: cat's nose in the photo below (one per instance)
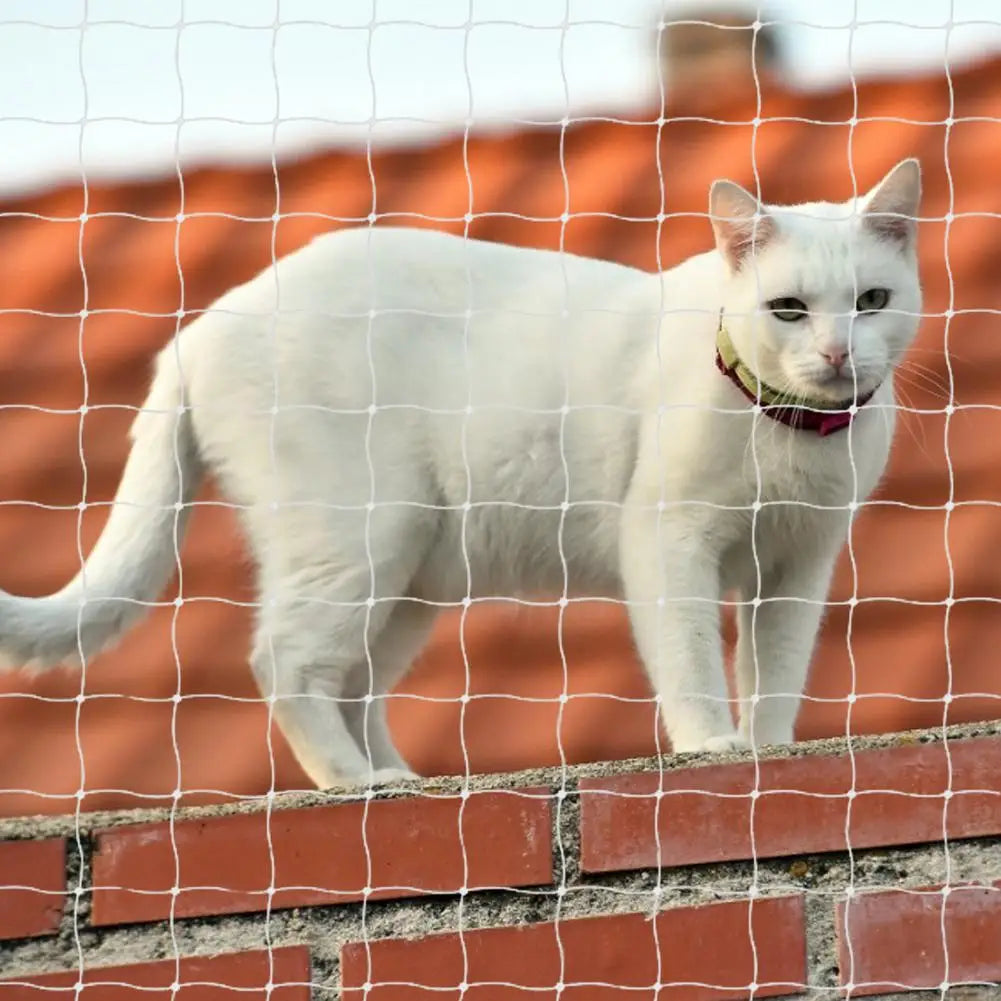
(835, 357)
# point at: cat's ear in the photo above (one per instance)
(740, 223)
(890, 209)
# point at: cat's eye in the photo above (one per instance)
(788, 309)
(872, 300)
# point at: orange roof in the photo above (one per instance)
(629, 191)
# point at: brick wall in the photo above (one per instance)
(825, 870)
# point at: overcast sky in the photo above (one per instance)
(126, 87)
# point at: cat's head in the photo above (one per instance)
(821, 300)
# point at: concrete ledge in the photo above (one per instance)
(67, 825)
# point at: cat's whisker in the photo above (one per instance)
(908, 419)
(909, 364)
(789, 396)
(924, 384)
(951, 355)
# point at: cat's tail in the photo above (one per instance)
(137, 551)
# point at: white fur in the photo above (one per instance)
(409, 420)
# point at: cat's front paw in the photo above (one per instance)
(728, 742)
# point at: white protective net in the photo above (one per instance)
(183, 146)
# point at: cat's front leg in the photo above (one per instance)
(672, 586)
(776, 639)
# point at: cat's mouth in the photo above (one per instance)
(837, 387)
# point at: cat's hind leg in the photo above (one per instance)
(303, 658)
(393, 651)
(322, 616)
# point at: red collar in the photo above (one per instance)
(799, 416)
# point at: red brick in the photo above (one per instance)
(699, 953)
(894, 940)
(705, 814)
(320, 855)
(242, 975)
(32, 887)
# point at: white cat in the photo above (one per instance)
(409, 420)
